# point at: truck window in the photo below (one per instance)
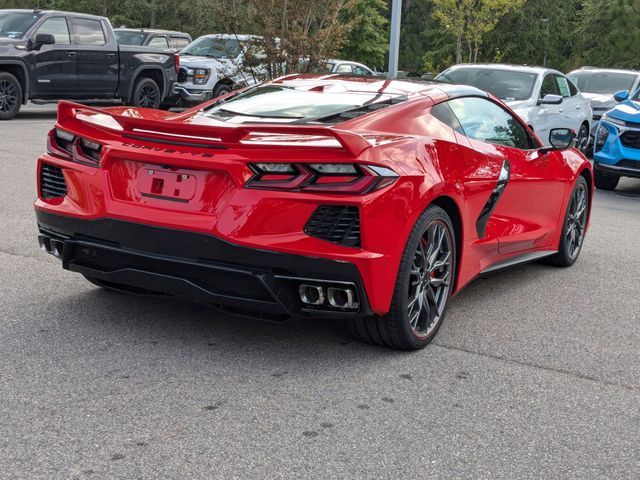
(179, 42)
(89, 32)
(159, 42)
(58, 28)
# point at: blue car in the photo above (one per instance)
(616, 151)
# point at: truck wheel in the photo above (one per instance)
(146, 94)
(10, 96)
(221, 89)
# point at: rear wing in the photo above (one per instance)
(80, 118)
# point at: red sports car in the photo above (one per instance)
(312, 196)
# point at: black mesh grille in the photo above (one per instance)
(631, 139)
(52, 182)
(634, 164)
(335, 223)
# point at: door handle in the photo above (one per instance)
(111, 55)
(578, 107)
(560, 110)
(71, 54)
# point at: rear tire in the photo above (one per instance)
(574, 226)
(10, 96)
(146, 94)
(604, 181)
(423, 287)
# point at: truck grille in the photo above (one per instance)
(52, 183)
(335, 223)
(631, 139)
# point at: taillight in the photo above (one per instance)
(176, 62)
(321, 177)
(71, 147)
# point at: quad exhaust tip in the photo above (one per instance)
(336, 297)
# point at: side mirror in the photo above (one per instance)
(43, 39)
(550, 100)
(621, 96)
(562, 138)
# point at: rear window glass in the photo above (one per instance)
(288, 103)
(130, 38)
(504, 84)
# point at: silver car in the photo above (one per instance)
(599, 84)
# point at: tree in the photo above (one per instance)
(471, 20)
(368, 38)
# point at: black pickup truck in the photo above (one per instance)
(47, 56)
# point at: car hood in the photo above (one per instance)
(628, 111)
(600, 101)
(204, 62)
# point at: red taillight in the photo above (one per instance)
(321, 177)
(176, 62)
(71, 147)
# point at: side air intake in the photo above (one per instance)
(335, 223)
(52, 183)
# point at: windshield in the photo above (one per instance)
(603, 82)
(213, 47)
(288, 103)
(130, 38)
(16, 24)
(504, 84)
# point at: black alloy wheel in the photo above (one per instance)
(574, 227)
(423, 287)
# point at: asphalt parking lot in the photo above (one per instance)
(535, 373)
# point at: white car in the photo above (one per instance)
(599, 84)
(345, 67)
(542, 97)
(213, 65)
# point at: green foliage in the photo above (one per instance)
(368, 37)
(434, 32)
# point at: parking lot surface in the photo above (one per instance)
(534, 374)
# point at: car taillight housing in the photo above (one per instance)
(176, 62)
(63, 144)
(349, 178)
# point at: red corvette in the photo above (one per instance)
(365, 199)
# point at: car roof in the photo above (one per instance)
(56, 12)
(507, 66)
(230, 36)
(380, 85)
(149, 30)
(609, 70)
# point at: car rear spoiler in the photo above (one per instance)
(78, 117)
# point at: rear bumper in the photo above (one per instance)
(142, 258)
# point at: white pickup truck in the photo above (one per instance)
(213, 65)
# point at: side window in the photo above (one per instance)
(344, 68)
(179, 42)
(483, 120)
(572, 88)
(360, 70)
(159, 42)
(58, 28)
(563, 86)
(549, 86)
(443, 113)
(89, 32)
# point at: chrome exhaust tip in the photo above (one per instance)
(341, 298)
(311, 294)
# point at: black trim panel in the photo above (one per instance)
(194, 266)
(485, 213)
(517, 260)
(615, 170)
